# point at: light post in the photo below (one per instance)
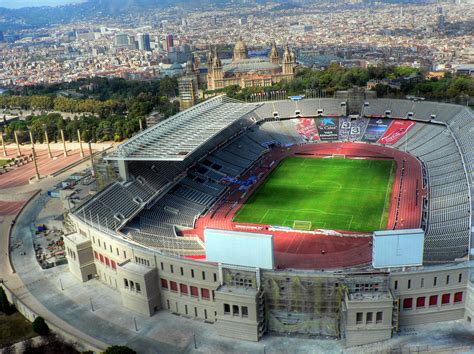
(47, 141)
(34, 156)
(3, 144)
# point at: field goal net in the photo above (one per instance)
(302, 225)
(339, 156)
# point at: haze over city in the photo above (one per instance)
(239, 176)
(15, 4)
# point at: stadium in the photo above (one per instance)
(345, 218)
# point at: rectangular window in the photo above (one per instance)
(117, 251)
(205, 314)
(162, 266)
(407, 303)
(124, 254)
(101, 258)
(409, 283)
(98, 241)
(96, 255)
(445, 299)
(458, 297)
(107, 262)
(422, 282)
(186, 309)
(368, 317)
(245, 311)
(379, 317)
(168, 304)
(173, 286)
(93, 240)
(164, 283)
(183, 288)
(192, 273)
(395, 285)
(460, 278)
(435, 280)
(138, 287)
(125, 282)
(171, 268)
(105, 246)
(195, 312)
(447, 279)
(194, 291)
(420, 302)
(227, 309)
(215, 277)
(182, 270)
(433, 300)
(235, 310)
(132, 285)
(114, 265)
(110, 248)
(205, 294)
(359, 317)
(203, 275)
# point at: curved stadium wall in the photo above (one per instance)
(316, 302)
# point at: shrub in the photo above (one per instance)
(119, 349)
(40, 326)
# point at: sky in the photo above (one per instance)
(15, 4)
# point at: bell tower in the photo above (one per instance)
(274, 57)
(289, 60)
(215, 71)
(217, 67)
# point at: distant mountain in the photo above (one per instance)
(46, 15)
(17, 4)
(92, 9)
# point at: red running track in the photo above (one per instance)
(20, 176)
(10, 208)
(319, 251)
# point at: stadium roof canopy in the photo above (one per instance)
(177, 137)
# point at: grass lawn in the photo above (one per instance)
(14, 328)
(332, 193)
(3, 162)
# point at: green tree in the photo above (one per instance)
(119, 349)
(5, 306)
(40, 326)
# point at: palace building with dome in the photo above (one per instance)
(247, 72)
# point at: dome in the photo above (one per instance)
(240, 50)
(240, 46)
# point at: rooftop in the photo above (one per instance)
(177, 137)
(368, 296)
(248, 65)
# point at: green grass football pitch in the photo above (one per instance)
(332, 193)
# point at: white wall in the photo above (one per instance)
(239, 248)
(397, 248)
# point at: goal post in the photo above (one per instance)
(302, 225)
